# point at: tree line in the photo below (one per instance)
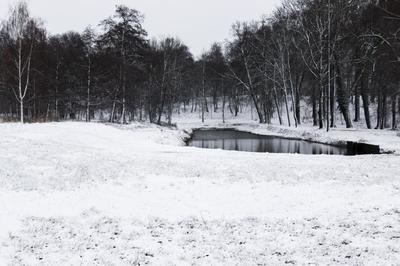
(336, 56)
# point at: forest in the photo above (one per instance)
(338, 57)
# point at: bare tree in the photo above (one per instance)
(89, 38)
(21, 28)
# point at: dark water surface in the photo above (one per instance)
(228, 139)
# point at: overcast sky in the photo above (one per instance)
(198, 23)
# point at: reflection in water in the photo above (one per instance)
(243, 141)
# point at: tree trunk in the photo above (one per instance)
(35, 111)
(398, 105)
(123, 78)
(163, 90)
(88, 91)
(298, 113)
(259, 113)
(203, 91)
(47, 111)
(394, 112)
(298, 86)
(22, 110)
(278, 110)
(113, 108)
(287, 108)
(320, 110)
(314, 106)
(357, 91)
(223, 100)
(333, 104)
(365, 100)
(342, 96)
(294, 106)
(379, 110)
(384, 112)
(357, 104)
(123, 114)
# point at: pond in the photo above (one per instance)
(230, 139)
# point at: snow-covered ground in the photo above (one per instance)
(96, 194)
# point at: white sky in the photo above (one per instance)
(198, 23)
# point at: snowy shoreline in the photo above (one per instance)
(388, 140)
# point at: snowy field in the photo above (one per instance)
(96, 194)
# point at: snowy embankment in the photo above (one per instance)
(76, 193)
(388, 140)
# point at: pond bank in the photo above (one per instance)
(232, 139)
(387, 140)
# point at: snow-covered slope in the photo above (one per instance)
(76, 193)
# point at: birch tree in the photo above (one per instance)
(89, 38)
(21, 28)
